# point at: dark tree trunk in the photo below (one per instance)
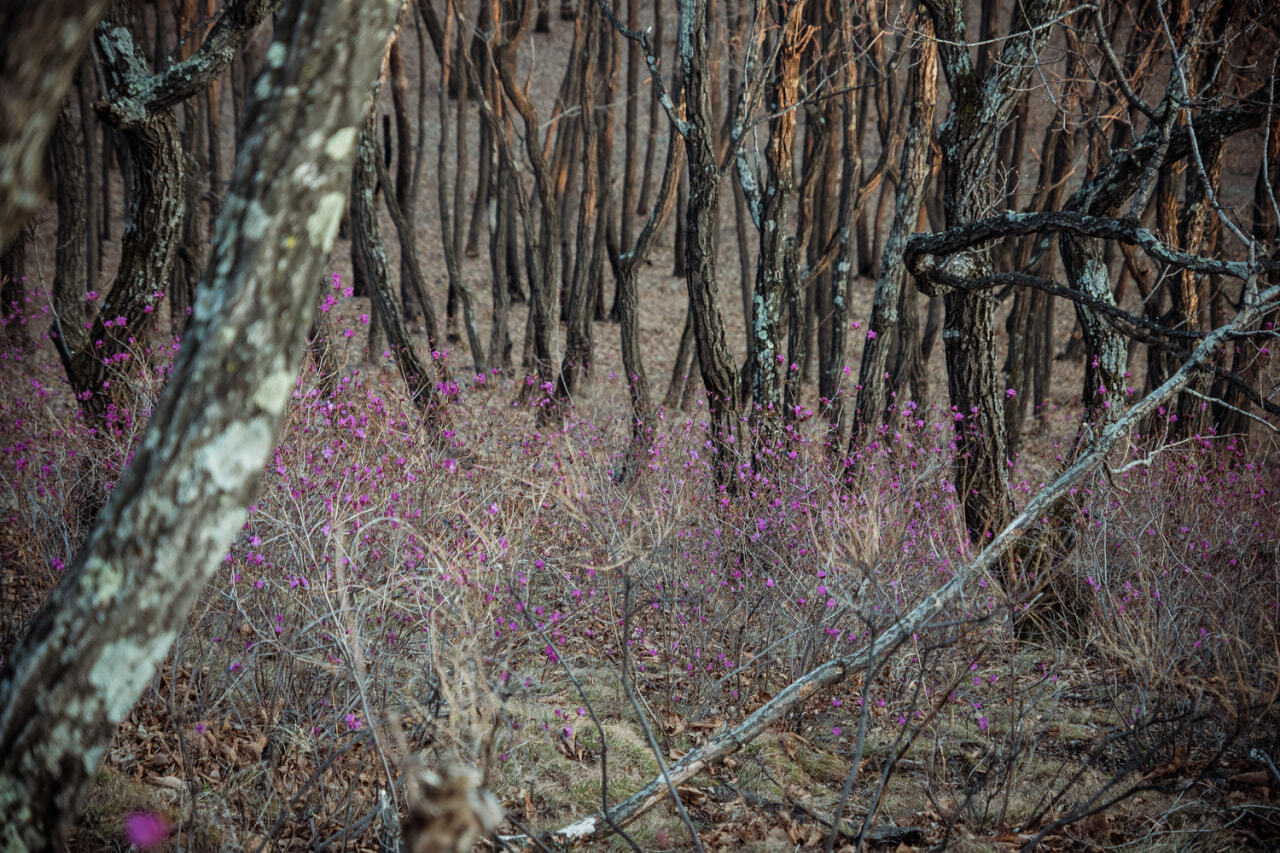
(44, 43)
(701, 221)
(578, 306)
(873, 379)
(414, 280)
(981, 105)
(541, 240)
(449, 234)
(831, 354)
(94, 647)
(404, 168)
(366, 236)
(69, 278)
(13, 292)
(646, 182)
(629, 319)
(501, 236)
(773, 299)
(139, 103)
(1026, 325)
(681, 366)
(93, 189)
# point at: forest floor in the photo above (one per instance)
(489, 598)
(478, 600)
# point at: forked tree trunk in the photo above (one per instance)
(629, 317)
(140, 105)
(981, 105)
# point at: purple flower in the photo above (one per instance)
(145, 830)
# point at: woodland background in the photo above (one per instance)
(773, 424)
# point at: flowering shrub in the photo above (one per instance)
(484, 592)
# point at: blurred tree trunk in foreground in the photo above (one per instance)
(93, 649)
(40, 47)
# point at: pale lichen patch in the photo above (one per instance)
(273, 392)
(236, 454)
(340, 144)
(256, 221)
(323, 222)
(123, 668)
(104, 578)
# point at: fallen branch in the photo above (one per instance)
(596, 826)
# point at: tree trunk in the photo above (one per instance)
(922, 89)
(94, 647)
(404, 168)
(831, 369)
(44, 43)
(93, 189)
(13, 292)
(449, 234)
(69, 282)
(629, 319)
(578, 306)
(981, 105)
(776, 264)
(701, 223)
(366, 236)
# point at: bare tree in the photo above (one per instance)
(922, 91)
(981, 104)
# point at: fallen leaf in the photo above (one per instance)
(173, 783)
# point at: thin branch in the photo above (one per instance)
(641, 37)
(1066, 221)
(1134, 99)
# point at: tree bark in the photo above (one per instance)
(701, 223)
(139, 104)
(981, 105)
(68, 331)
(92, 650)
(775, 266)
(367, 238)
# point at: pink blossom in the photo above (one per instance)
(145, 830)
